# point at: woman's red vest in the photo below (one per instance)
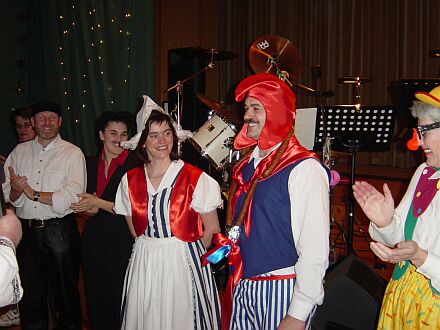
(185, 223)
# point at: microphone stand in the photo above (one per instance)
(178, 86)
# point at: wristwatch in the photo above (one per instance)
(36, 196)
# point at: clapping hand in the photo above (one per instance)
(18, 183)
(378, 207)
(407, 250)
(87, 203)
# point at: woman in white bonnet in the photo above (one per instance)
(170, 207)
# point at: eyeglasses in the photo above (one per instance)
(423, 129)
(23, 126)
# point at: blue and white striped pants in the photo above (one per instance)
(261, 305)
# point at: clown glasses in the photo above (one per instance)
(423, 129)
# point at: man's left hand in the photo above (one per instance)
(291, 323)
(86, 203)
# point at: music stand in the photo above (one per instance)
(369, 128)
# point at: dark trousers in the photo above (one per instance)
(106, 249)
(49, 259)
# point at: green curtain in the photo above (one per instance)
(90, 57)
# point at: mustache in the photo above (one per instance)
(250, 121)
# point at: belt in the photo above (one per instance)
(272, 277)
(41, 223)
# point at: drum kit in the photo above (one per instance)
(269, 54)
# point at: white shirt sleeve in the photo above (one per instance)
(122, 199)
(75, 183)
(310, 219)
(9, 276)
(426, 233)
(394, 232)
(430, 269)
(206, 196)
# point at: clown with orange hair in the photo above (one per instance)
(409, 235)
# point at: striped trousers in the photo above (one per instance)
(261, 305)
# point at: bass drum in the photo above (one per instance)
(213, 141)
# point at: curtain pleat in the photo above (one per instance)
(90, 56)
(384, 40)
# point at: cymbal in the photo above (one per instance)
(222, 111)
(354, 80)
(219, 55)
(205, 53)
(268, 52)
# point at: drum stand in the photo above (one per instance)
(233, 157)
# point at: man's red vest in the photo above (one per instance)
(186, 224)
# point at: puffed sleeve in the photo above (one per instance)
(10, 287)
(207, 195)
(122, 200)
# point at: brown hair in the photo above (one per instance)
(26, 113)
(159, 118)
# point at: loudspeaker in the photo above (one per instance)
(353, 296)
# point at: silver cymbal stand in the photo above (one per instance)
(178, 86)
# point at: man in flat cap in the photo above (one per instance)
(43, 177)
(278, 212)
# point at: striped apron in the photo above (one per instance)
(165, 285)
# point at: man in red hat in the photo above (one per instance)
(280, 209)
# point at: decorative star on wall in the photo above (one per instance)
(19, 88)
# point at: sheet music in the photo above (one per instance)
(305, 124)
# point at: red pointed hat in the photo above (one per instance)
(279, 102)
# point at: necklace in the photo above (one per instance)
(155, 177)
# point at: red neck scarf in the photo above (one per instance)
(293, 153)
(102, 180)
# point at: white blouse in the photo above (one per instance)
(206, 196)
(10, 286)
(426, 233)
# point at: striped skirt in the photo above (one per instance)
(261, 305)
(166, 287)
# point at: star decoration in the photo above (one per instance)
(19, 88)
